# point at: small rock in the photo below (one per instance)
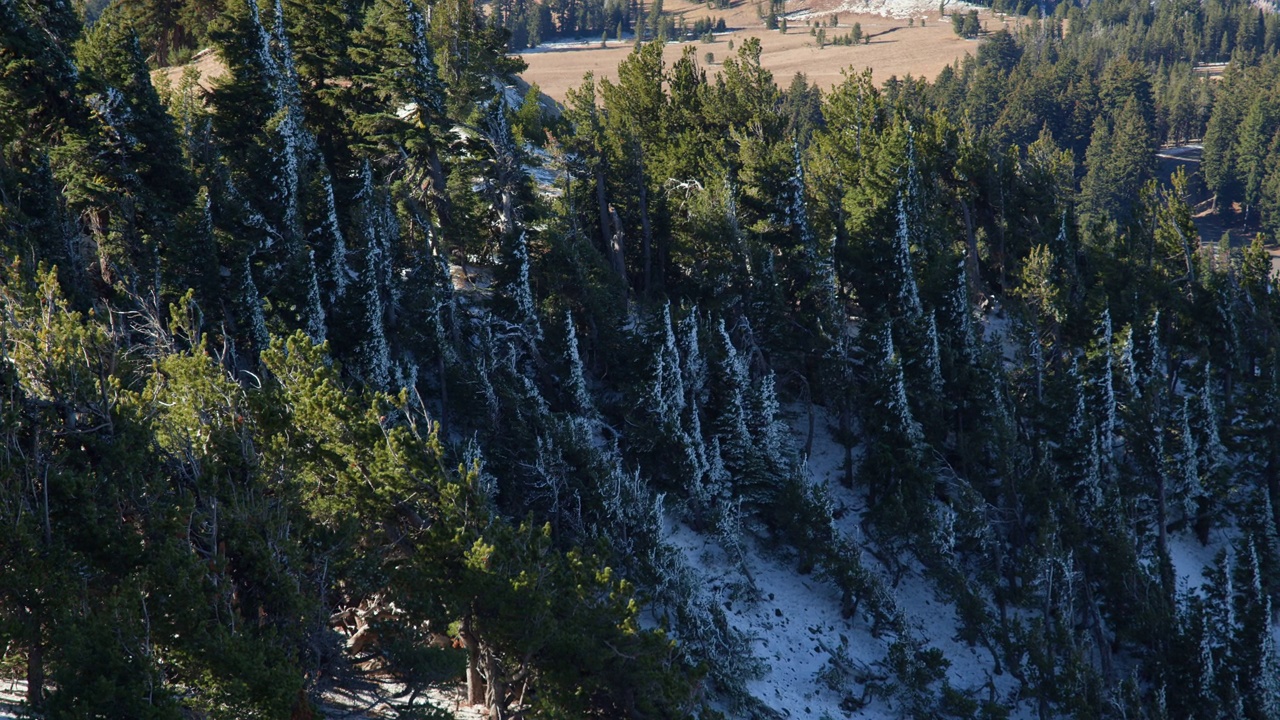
(777, 612)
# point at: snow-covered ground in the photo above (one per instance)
(577, 44)
(898, 9)
(347, 704)
(372, 703)
(13, 693)
(796, 626)
(1191, 559)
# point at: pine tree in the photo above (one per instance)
(1107, 382)
(578, 391)
(374, 350)
(139, 138)
(730, 384)
(907, 303)
(895, 440)
(274, 156)
(399, 98)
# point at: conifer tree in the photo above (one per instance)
(372, 291)
(399, 99)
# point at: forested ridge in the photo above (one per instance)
(305, 381)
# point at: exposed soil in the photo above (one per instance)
(1212, 222)
(206, 63)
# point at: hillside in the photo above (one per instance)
(362, 381)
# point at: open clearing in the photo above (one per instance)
(895, 49)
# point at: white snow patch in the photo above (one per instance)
(899, 9)
(374, 701)
(1191, 559)
(367, 703)
(931, 618)
(13, 693)
(540, 168)
(795, 623)
(790, 619)
(997, 325)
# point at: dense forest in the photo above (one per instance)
(306, 380)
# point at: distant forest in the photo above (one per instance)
(306, 380)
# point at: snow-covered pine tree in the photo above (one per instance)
(251, 300)
(551, 490)
(933, 356)
(1266, 690)
(907, 303)
(1188, 489)
(1220, 596)
(905, 425)
(1214, 462)
(668, 390)
(1128, 365)
(893, 467)
(1253, 642)
(768, 430)
(959, 318)
(520, 291)
(1207, 681)
(373, 349)
(667, 435)
(314, 315)
(1035, 355)
(693, 363)
(505, 175)
(288, 197)
(1090, 496)
(815, 280)
(338, 273)
(1156, 370)
(578, 392)
(730, 384)
(1106, 385)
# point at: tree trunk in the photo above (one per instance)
(439, 196)
(846, 434)
(1273, 481)
(475, 682)
(646, 228)
(606, 232)
(617, 245)
(495, 696)
(1162, 538)
(444, 395)
(971, 245)
(1098, 628)
(35, 665)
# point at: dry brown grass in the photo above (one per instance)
(206, 63)
(895, 49)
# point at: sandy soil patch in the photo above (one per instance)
(206, 63)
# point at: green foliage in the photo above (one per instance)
(1040, 376)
